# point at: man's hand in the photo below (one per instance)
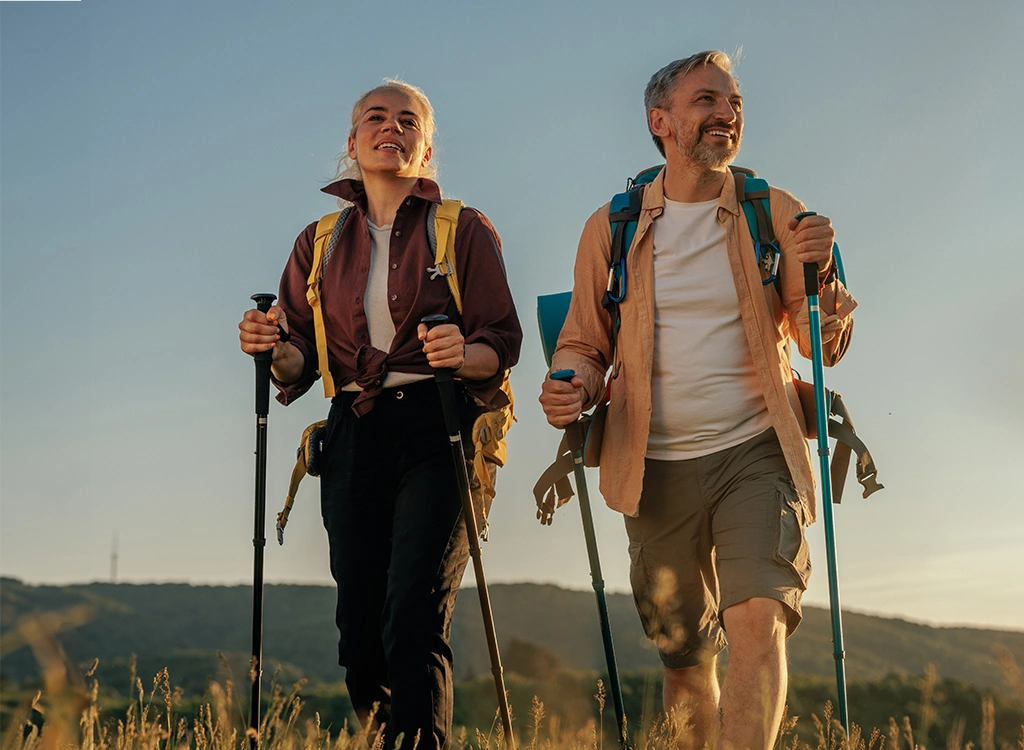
(444, 345)
(260, 332)
(562, 402)
(814, 237)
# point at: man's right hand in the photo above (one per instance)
(562, 402)
(259, 332)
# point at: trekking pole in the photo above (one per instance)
(259, 539)
(446, 386)
(821, 419)
(575, 439)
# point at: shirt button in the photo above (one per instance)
(357, 300)
(394, 297)
(398, 233)
(394, 265)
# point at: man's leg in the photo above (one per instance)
(672, 574)
(691, 695)
(754, 689)
(763, 566)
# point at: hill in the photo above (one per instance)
(183, 627)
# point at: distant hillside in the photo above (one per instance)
(183, 627)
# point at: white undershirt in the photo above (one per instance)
(704, 389)
(375, 304)
(375, 301)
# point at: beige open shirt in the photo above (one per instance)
(585, 341)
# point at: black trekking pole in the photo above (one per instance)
(575, 439)
(446, 386)
(259, 539)
(821, 411)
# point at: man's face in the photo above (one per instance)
(705, 121)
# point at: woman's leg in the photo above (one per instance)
(356, 487)
(429, 553)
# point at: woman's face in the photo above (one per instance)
(389, 137)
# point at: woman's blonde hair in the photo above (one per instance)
(349, 168)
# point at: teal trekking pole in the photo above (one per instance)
(821, 412)
(575, 439)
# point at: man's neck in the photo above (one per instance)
(686, 182)
(384, 195)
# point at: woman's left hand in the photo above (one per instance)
(444, 345)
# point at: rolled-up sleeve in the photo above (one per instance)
(584, 344)
(488, 310)
(835, 303)
(292, 299)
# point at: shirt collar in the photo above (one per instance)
(654, 196)
(353, 191)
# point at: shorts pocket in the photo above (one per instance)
(791, 550)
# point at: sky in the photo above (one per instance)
(157, 161)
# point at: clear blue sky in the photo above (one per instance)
(158, 159)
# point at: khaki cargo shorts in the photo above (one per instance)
(712, 532)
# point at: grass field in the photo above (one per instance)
(74, 711)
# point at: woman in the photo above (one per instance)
(389, 497)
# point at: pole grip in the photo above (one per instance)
(811, 286)
(263, 360)
(575, 437)
(445, 382)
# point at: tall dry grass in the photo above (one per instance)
(68, 714)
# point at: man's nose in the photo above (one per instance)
(726, 111)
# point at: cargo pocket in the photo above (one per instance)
(642, 583)
(791, 551)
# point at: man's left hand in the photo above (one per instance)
(814, 237)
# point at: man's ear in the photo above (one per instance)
(427, 155)
(658, 122)
(352, 148)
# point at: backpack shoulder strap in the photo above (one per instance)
(328, 229)
(442, 222)
(754, 194)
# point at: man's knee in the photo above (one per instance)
(755, 624)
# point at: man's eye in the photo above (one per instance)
(409, 123)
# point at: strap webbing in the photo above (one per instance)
(327, 231)
(443, 220)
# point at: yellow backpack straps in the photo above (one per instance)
(324, 230)
(445, 222)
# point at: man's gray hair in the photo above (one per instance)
(658, 93)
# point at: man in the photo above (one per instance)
(704, 449)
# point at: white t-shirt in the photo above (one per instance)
(704, 389)
(375, 304)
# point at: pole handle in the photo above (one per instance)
(811, 286)
(573, 431)
(263, 360)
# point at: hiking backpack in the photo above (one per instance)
(489, 429)
(753, 194)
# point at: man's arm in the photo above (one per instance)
(584, 344)
(810, 241)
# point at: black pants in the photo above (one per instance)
(398, 547)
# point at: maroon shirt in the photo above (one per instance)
(489, 315)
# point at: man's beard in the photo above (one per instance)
(703, 155)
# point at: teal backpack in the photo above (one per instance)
(753, 194)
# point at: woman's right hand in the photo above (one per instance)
(260, 332)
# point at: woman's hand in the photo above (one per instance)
(444, 345)
(260, 332)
